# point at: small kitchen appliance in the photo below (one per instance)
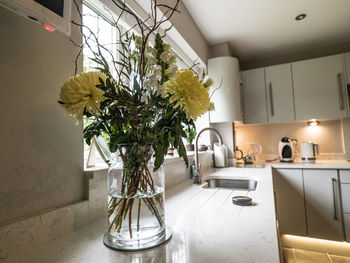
(220, 155)
(254, 149)
(286, 150)
(309, 150)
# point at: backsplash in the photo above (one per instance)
(329, 136)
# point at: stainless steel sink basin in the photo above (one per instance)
(239, 184)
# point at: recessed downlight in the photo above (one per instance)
(300, 17)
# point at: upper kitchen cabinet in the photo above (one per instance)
(279, 90)
(319, 88)
(226, 89)
(254, 96)
(347, 67)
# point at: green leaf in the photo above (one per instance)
(159, 156)
(98, 61)
(182, 152)
(126, 75)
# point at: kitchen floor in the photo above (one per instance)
(292, 255)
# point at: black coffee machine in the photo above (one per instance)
(286, 150)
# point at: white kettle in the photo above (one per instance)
(309, 150)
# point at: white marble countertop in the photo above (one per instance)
(207, 228)
(319, 164)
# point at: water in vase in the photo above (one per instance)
(138, 219)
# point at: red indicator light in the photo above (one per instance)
(48, 28)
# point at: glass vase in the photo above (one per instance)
(135, 200)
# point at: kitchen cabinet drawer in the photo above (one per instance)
(344, 176)
(345, 194)
(288, 184)
(254, 96)
(279, 91)
(320, 88)
(322, 199)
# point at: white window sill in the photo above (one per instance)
(101, 165)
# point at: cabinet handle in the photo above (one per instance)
(271, 100)
(340, 91)
(242, 101)
(334, 200)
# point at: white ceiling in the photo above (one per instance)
(258, 29)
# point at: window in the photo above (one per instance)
(98, 19)
(106, 34)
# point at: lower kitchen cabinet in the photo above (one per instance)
(322, 203)
(345, 194)
(345, 189)
(347, 226)
(313, 202)
(288, 184)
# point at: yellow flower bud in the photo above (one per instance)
(209, 82)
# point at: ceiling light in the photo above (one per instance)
(300, 17)
(313, 123)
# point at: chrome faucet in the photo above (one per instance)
(197, 179)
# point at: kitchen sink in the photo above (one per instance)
(239, 184)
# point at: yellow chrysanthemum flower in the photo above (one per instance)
(190, 94)
(79, 92)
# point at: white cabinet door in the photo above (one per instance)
(288, 185)
(319, 88)
(345, 194)
(254, 96)
(347, 226)
(347, 67)
(344, 176)
(322, 199)
(226, 89)
(345, 189)
(279, 90)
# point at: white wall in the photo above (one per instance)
(289, 57)
(185, 25)
(220, 50)
(226, 130)
(346, 133)
(189, 31)
(41, 150)
(329, 136)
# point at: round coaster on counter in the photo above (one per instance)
(242, 200)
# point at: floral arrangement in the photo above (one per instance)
(140, 99)
(149, 102)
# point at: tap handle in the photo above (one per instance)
(240, 151)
